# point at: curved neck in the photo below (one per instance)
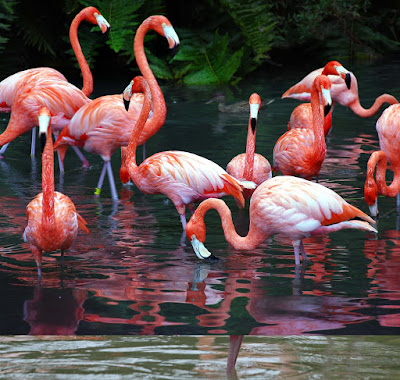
(318, 119)
(48, 215)
(357, 108)
(159, 107)
(87, 88)
(130, 157)
(381, 165)
(253, 238)
(250, 149)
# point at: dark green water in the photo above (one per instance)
(132, 276)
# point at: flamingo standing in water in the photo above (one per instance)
(251, 166)
(287, 205)
(301, 116)
(301, 151)
(342, 93)
(387, 127)
(11, 85)
(183, 177)
(53, 221)
(104, 125)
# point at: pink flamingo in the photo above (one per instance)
(183, 177)
(104, 125)
(301, 151)
(286, 205)
(301, 115)
(345, 94)
(387, 127)
(53, 221)
(251, 166)
(10, 85)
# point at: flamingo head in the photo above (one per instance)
(137, 84)
(163, 27)
(196, 232)
(323, 85)
(335, 68)
(371, 195)
(254, 104)
(44, 118)
(94, 16)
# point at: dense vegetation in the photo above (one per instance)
(221, 40)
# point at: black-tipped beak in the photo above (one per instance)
(106, 34)
(211, 259)
(126, 104)
(348, 81)
(253, 123)
(174, 50)
(42, 140)
(327, 108)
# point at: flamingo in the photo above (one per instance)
(301, 151)
(287, 205)
(183, 177)
(250, 166)
(345, 94)
(104, 125)
(10, 85)
(53, 221)
(387, 127)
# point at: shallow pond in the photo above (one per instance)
(132, 275)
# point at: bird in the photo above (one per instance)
(251, 166)
(182, 176)
(238, 107)
(387, 127)
(287, 205)
(301, 151)
(10, 85)
(344, 93)
(53, 221)
(104, 125)
(301, 115)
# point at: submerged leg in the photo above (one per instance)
(101, 180)
(398, 202)
(114, 194)
(183, 221)
(85, 162)
(235, 341)
(296, 246)
(33, 144)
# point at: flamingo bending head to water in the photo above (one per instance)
(251, 166)
(301, 151)
(53, 221)
(183, 177)
(287, 205)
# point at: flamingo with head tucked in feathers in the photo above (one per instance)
(387, 127)
(301, 151)
(53, 221)
(183, 177)
(251, 166)
(287, 205)
(104, 124)
(23, 81)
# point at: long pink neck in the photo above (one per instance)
(253, 238)
(381, 165)
(87, 88)
(130, 157)
(48, 215)
(357, 108)
(159, 107)
(250, 148)
(318, 121)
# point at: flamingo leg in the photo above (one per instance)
(296, 246)
(235, 341)
(303, 252)
(114, 194)
(3, 149)
(398, 202)
(33, 144)
(183, 221)
(101, 180)
(85, 162)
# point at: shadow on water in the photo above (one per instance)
(131, 275)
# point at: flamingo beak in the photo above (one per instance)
(254, 107)
(374, 209)
(172, 37)
(347, 80)
(103, 24)
(326, 94)
(127, 96)
(201, 251)
(345, 75)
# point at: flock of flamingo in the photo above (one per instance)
(289, 204)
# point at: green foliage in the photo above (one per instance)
(6, 19)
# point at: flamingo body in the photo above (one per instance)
(286, 205)
(261, 169)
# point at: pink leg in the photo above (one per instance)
(114, 194)
(296, 246)
(33, 144)
(101, 180)
(235, 341)
(85, 162)
(183, 221)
